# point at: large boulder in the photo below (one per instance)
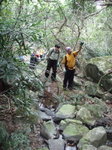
(65, 122)
(85, 116)
(91, 89)
(48, 130)
(74, 128)
(96, 69)
(67, 111)
(88, 147)
(97, 108)
(95, 137)
(104, 147)
(44, 116)
(78, 82)
(56, 144)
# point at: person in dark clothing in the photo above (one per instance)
(52, 60)
(33, 60)
(69, 61)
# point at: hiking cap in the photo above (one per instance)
(68, 48)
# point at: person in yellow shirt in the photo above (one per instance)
(69, 61)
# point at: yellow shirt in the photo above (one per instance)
(70, 60)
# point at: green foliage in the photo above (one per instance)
(8, 70)
(3, 136)
(3, 133)
(19, 141)
(98, 35)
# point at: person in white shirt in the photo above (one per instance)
(52, 60)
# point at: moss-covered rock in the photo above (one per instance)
(65, 122)
(97, 68)
(95, 137)
(66, 110)
(74, 129)
(97, 108)
(48, 129)
(85, 116)
(88, 147)
(104, 147)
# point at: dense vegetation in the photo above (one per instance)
(26, 25)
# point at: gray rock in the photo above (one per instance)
(66, 122)
(47, 111)
(104, 147)
(85, 116)
(95, 137)
(44, 148)
(48, 130)
(73, 129)
(56, 144)
(88, 147)
(67, 111)
(91, 89)
(77, 81)
(44, 116)
(97, 67)
(97, 109)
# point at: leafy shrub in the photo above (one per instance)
(19, 141)
(3, 137)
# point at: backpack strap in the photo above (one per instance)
(74, 55)
(52, 52)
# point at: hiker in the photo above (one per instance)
(33, 60)
(69, 61)
(52, 61)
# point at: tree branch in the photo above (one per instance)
(93, 14)
(62, 43)
(109, 26)
(109, 3)
(65, 21)
(109, 72)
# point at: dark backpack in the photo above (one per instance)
(33, 59)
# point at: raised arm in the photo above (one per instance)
(80, 47)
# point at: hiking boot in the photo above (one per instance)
(70, 88)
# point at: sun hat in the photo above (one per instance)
(68, 48)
